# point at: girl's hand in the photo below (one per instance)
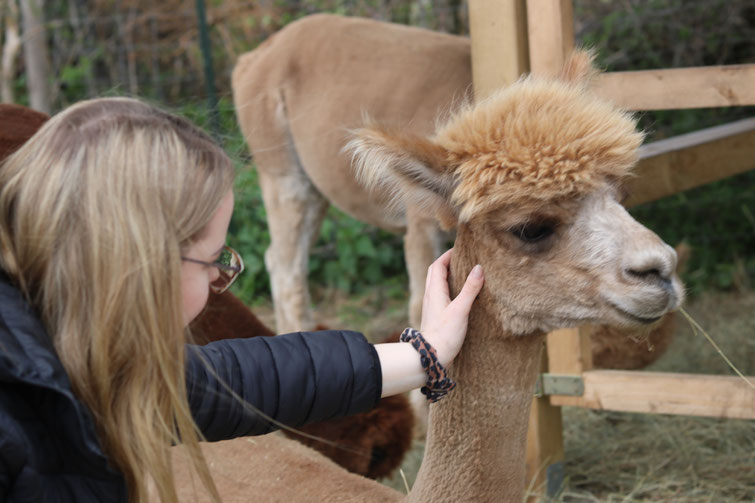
(444, 322)
(444, 325)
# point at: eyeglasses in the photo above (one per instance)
(230, 266)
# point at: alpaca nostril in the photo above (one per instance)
(644, 274)
(655, 265)
(653, 274)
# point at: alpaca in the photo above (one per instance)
(17, 124)
(530, 178)
(298, 94)
(372, 444)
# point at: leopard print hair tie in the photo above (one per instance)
(438, 383)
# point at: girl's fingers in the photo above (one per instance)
(471, 288)
(436, 286)
(445, 259)
(440, 265)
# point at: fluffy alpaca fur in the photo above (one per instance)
(536, 141)
(372, 444)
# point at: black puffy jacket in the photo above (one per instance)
(48, 447)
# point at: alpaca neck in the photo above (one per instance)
(477, 434)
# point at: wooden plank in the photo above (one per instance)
(665, 393)
(550, 25)
(550, 32)
(695, 87)
(569, 353)
(545, 444)
(498, 32)
(670, 166)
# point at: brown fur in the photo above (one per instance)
(17, 124)
(226, 317)
(536, 141)
(372, 444)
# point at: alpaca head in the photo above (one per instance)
(531, 177)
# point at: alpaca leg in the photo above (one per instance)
(295, 210)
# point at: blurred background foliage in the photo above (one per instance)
(151, 49)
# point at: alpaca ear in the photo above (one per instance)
(411, 167)
(579, 67)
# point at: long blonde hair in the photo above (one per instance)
(95, 210)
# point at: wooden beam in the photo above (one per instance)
(569, 353)
(670, 166)
(498, 32)
(550, 25)
(550, 33)
(545, 445)
(665, 393)
(696, 87)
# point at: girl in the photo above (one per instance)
(113, 221)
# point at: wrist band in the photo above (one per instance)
(438, 383)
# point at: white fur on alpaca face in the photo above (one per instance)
(637, 270)
(598, 266)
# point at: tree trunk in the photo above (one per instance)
(36, 56)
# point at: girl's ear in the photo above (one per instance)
(412, 168)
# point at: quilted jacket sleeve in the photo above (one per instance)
(294, 379)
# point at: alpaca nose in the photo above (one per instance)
(654, 265)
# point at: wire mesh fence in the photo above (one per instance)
(152, 48)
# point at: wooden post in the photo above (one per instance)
(545, 445)
(550, 27)
(498, 32)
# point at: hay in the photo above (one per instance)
(620, 457)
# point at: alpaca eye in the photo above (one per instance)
(534, 232)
